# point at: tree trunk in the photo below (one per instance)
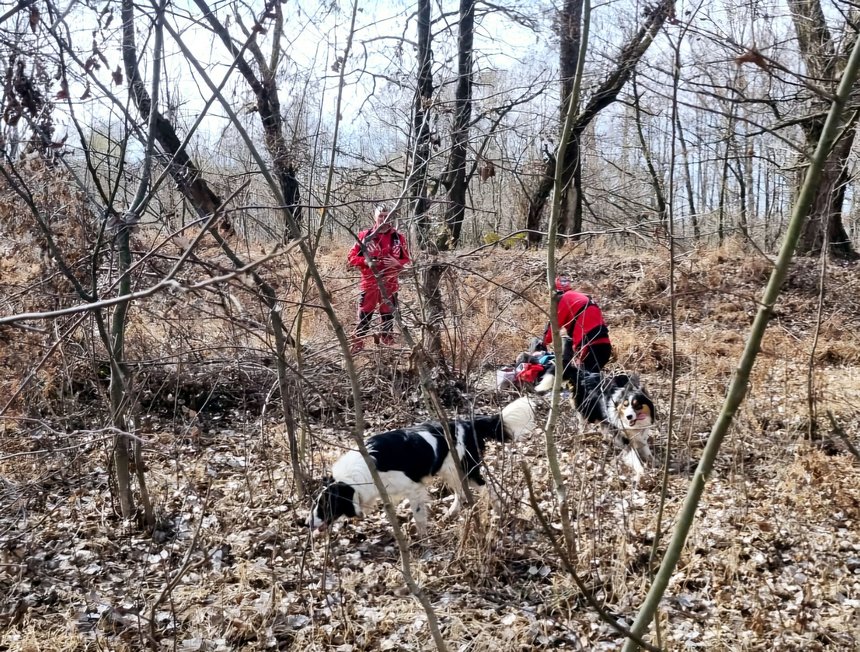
(119, 397)
(825, 220)
(751, 213)
(421, 126)
(570, 36)
(743, 214)
(432, 273)
(724, 191)
(688, 178)
(537, 200)
(656, 181)
(824, 63)
(434, 309)
(570, 219)
(455, 175)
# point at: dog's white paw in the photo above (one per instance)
(545, 384)
(631, 459)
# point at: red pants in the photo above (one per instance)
(372, 298)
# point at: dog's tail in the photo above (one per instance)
(518, 418)
(546, 382)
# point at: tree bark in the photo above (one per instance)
(431, 275)
(421, 127)
(537, 200)
(750, 214)
(570, 35)
(656, 180)
(824, 61)
(455, 175)
(119, 382)
(825, 221)
(688, 177)
(724, 192)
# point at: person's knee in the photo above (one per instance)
(367, 302)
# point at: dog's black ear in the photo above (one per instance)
(650, 404)
(621, 380)
(327, 480)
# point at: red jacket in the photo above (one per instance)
(379, 247)
(582, 320)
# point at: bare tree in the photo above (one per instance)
(657, 183)
(421, 127)
(604, 95)
(824, 61)
(454, 178)
(570, 37)
(193, 185)
(431, 276)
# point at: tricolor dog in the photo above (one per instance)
(408, 458)
(617, 402)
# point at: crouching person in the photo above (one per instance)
(581, 317)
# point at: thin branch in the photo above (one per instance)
(22, 4)
(604, 615)
(142, 294)
(738, 387)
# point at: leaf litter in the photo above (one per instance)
(772, 562)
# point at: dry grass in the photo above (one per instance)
(772, 562)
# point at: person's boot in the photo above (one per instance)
(386, 334)
(361, 330)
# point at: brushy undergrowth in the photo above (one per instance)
(773, 561)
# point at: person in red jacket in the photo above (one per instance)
(379, 254)
(581, 317)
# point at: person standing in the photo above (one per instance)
(380, 254)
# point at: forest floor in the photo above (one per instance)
(772, 562)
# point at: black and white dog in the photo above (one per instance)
(407, 458)
(617, 402)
